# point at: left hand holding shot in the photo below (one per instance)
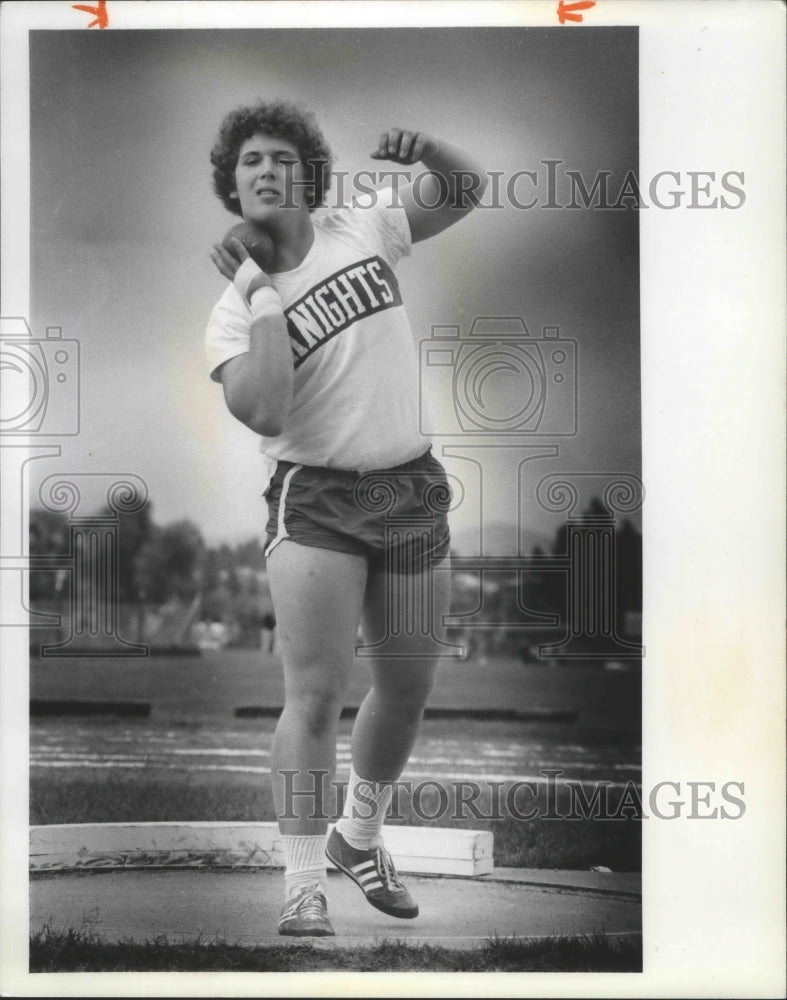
(255, 240)
(240, 266)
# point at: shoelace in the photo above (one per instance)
(311, 903)
(385, 867)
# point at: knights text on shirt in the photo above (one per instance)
(327, 309)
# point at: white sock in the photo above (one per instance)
(304, 863)
(364, 811)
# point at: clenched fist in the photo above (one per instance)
(404, 146)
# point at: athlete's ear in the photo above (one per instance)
(233, 194)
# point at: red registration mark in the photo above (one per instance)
(569, 11)
(99, 11)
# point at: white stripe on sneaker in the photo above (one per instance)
(368, 875)
(362, 866)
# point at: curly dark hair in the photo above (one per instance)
(282, 120)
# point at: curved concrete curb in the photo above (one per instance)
(625, 884)
(417, 850)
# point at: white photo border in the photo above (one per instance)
(712, 338)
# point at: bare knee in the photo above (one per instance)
(316, 707)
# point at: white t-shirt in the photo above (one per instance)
(356, 391)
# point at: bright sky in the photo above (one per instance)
(123, 217)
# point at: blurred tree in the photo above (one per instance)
(232, 582)
(595, 509)
(135, 531)
(225, 557)
(629, 570)
(170, 563)
(250, 553)
(210, 571)
(234, 589)
(49, 534)
(554, 591)
(548, 591)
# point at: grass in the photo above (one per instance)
(85, 951)
(69, 797)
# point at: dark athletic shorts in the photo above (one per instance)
(396, 517)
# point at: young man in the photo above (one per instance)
(316, 355)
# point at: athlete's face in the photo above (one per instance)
(269, 178)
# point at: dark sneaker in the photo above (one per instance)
(306, 913)
(373, 871)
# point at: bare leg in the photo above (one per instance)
(388, 720)
(318, 596)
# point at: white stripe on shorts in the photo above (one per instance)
(281, 531)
